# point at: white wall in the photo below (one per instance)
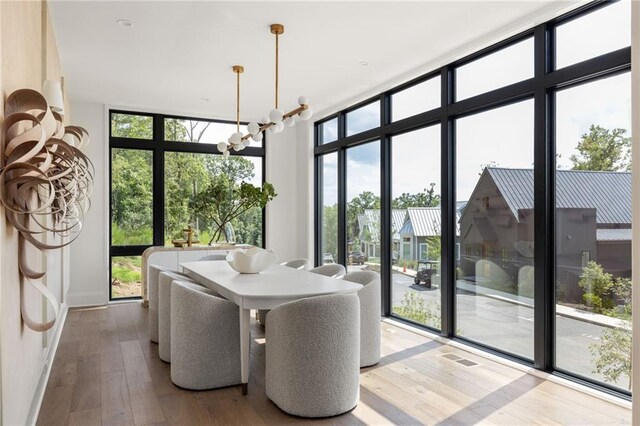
(290, 216)
(89, 277)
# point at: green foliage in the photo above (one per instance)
(131, 188)
(126, 269)
(136, 236)
(598, 288)
(603, 150)
(330, 230)
(132, 126)
(426, 198)
(414, 308)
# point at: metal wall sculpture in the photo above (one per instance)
(46, 182)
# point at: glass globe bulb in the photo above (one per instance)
(237, 148)
(222, 147)
(257, 137)
(226, 153)
(272, 129)
(302, 100)
(306, 114)
(290, 121)
(279, 127)
(253, 128)
(236, 138)
(265, 120)
(276, 116)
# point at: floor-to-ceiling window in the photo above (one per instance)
(416, 225)
(593, 230)
(503, 195)
(164, 173)
(494, 184)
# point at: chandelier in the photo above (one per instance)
(276, 120)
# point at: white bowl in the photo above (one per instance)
(251, 261)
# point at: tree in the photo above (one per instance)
(603, 150)
(366, 200)
(330, 230)
(426, 198)
(224, 200)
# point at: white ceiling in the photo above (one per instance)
(178, 53)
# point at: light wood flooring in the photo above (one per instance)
(107, 372)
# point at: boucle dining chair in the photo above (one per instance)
(152, 296)
(205, 338)
(313, 355)
(370, 306)
(301, 263)
(333, 270)
(164, 311)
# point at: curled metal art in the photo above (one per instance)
(46, 185)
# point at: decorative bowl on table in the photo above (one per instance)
(251, 261)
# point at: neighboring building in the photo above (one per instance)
(593, 211)
(421, 233)
(369, 230)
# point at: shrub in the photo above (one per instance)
(414, 308)
(598, 288)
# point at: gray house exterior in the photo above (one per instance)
(593, 222)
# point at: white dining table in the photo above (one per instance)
(266, 290)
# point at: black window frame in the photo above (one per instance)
(541, 88)
(159, 146)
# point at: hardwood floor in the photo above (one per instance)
(107, 372)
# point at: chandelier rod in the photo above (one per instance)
(238, 69)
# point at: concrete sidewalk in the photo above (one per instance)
(565, 311)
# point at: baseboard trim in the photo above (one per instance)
(85, 299)
(38, 396)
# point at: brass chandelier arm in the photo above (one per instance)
(291, 113)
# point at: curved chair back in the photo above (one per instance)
(301, 263)
(152, 295)
(320, 379)
(205, 338)
(164, 311)
(333, 270)
(370, 306)
(213, 257)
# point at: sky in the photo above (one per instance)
(502, 136)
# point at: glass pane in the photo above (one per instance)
(329, 192)
(131, 197)
(507, 66)
(363, 207)
(416, 99)
(494, 188)
(593, 230)
(126, 278)
(198, 187)
(603, 31)
(328, 131)
(416, 226)
(200, 131)
(363, 118)
(131, 126)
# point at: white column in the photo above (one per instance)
(635, 190)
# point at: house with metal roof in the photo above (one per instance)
(420, 235)
(593, 212)
(369, 230)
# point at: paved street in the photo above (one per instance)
(509, 326)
